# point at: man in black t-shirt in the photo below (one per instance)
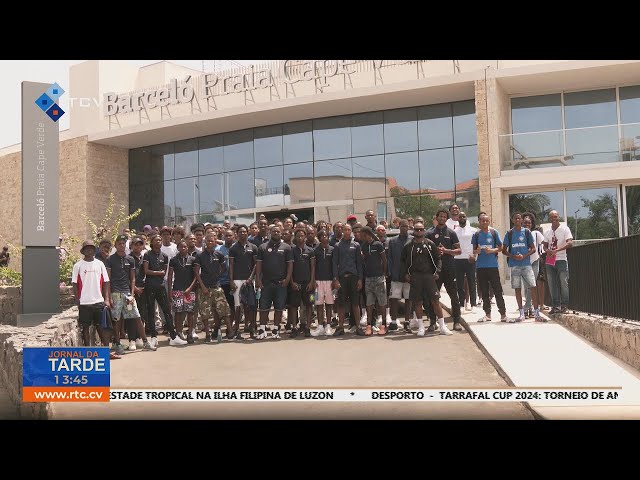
(274, 268)
(324, 289)
(449, 246)
(242, 264)
(303, 284)
(156, 265)
(137, 253)
(375, 271)
(181, 282)
(104, 250)
(208, 267)
(122, 277)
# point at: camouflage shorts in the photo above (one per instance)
(214, 301)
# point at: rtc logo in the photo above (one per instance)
(48, 102)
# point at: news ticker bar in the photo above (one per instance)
(577, 396)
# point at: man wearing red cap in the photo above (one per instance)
(352, 220)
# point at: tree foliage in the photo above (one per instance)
(109, 227)
(601, 221)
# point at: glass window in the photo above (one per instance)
(404, 207)
(430, 204)
(435, 126)
(162, 162)
(140, 197)
(368, 177)
(297, 142)
(162, 201)
(269, 187)
(466, 161)
(400, 130)
(333, 180)
(633, 209)
(238, 150)
(593, 213)
(210, 155)
(538, 203)
(239, 190)
(298, 183)
(469, 203)
(436, 170)
(630, 104)
(332, 138)
(403, 177)
(537, 113)
(593, 145)
(210, 217)
(267, 146)
(187, 198)
(186, 158)
(139, 166)
(367, 134)
(211, 193)
(464, 123)
(590, 109)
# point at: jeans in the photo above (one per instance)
(527, 294)
(490, 278)
(158, 294)
(465, 267)
(558, 279)
(447, 277)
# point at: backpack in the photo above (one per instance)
(476, 236)
(527, 235)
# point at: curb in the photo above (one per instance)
(493, 362)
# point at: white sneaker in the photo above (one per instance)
(148, 346)
(285, 315)
(328, 331)
(194, 334)
(351, 329)
(472, 309)
(512, 320)
(262, 334)
(318, 332)
(139, 343)
(389, 319)
(363, 320)
(413, 323)
(421, 330)
(484, 318)
(467, 307)
(154, 342)
(177, 341)
(275, 333)
(132, 346)
(503, 318)
(375, 328)
(445, 331)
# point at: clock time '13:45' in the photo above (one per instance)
(71, 379)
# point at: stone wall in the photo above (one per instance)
(59, 331)
(620, 339)
(11, 303)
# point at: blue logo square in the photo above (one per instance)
(44, 102)
(55, 112)
(55, 91)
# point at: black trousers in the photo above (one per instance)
(158, 294)
(489, 278)
(447, 277)
(466, 268)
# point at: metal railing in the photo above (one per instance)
(604, 278)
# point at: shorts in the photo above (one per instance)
(90, 314)
(274, 294)
(400, 290)
(348, 292)
(236, 292)
(522, 277)
(214, 301)
(183, 302)
(119, 307)
(423, 287)
(325, 292)
(228, 294)
(295, 298)
(376, 291)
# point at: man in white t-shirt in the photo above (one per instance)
(91, 288)
(556, 242)
(453, 220)
(465, 263)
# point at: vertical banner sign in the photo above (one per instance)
(40, 204)
(66, 374)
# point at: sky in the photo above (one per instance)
(13, 72)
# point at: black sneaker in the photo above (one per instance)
(252, 333)
(360, 332)
(207, 338)
(334, 323)
(294, 332)
(190, 339)
(307, 332)
(407, 327)
(431, 328)
(238, 336)
(554, 310)
(288, 327)
(339, 332)
(393, 326)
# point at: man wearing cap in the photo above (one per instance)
(122, 278)
(156, 265)
(352, 220)
(4, 257)
(91, 289)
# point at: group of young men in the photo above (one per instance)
(225, 273)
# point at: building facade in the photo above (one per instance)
(325, 139)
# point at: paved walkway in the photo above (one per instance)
(543, 355)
